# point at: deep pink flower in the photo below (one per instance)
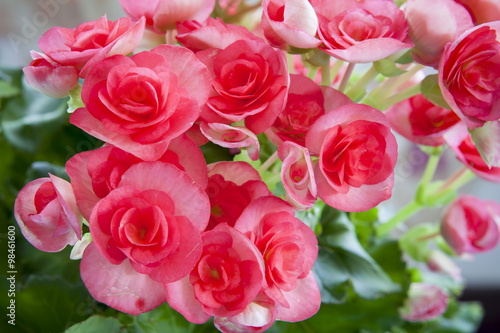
(357, 154)
(306, 102)
(482, 11)
(471, 225)
(162, 15)
(213, 34)
(149, 222)
(469, 75)
(425, 302)
(91, 42)
(96, 173)
(290, 23)
(430, 39)
(47, 214)
(141, 103)
(232, 186)
(250, 82)
(297, 175)
(289, 249)
(226, 279)
(460, 141)
(232, 137)
(50, 78)
(360, 31)
(420, 121)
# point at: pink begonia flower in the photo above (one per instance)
(96, 173)
(141, 103)
(442, 263)
(430, 38)
(162, 15)
(47, 214)
(250, 83)
(487, 141)
(425, 302)
(460, 142)
(214, 34)
(297, 175)
(257, 317)
(148, 222)
(482, 11)
(357, 154)
(50, 78)
(232, 186)
(119, 285)
(420, 121)
(306, 102)
(289, 248)
(91, 42)
(471, 225)
(228, 136)
(226, 279)
(361, 31)
(290, 23)
(469, 75)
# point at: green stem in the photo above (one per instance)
(459, 179)
(346, 77)
(290, 64)
(270, 161)
(335, 69)
(393, 83)
(236, 17)
(429, 172)
(362, 83)
(312, 72)
(325, 74)
(400, 96)
(401, 216)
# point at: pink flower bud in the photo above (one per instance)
(47, 214)
(440, 262)
(471, 225)
(49, 77)
(290, 23)
(425, 302)
(482, 10)
(430, 38)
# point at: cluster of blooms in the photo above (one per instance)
(212, 240)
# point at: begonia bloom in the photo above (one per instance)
(226, 279)
(50, 78)
(469, 75)
(425, 302)
(147, 221)
(420, 121)
(357, 154)
(482, 11)
(91, 42)
(250, 83)
(471, 225)
(289, 248)
(290, 23)
(47, 214)
(141, 103)
(430, 38)
(232, 137)
(361, 31)
(162, 15)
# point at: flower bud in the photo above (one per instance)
(425, 302)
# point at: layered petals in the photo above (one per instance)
(232, 137)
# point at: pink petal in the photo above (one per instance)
(236, 172)
(180, 296)
(304, 300)
(119, 286)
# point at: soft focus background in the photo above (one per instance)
(22, 22)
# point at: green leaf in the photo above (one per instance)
(414, 242)
(430, 89)
(97, 324)
(387, 68)
(75, 99)
(27, 119)
(341, 259)
(7, 89)
(41, 169)
(406, 58)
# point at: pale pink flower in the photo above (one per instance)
(471, 225)
(425, 302)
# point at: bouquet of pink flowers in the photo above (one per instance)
(242, 149)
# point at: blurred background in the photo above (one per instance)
(22, 22)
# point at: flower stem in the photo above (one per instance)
(393, 83)
(400, 216)
(460, 178)
(346, 77)
(325, 74)
(312, 72)
(335, 69)
(400, 96)
(270, 161)
(429, 172)
(354, 92)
